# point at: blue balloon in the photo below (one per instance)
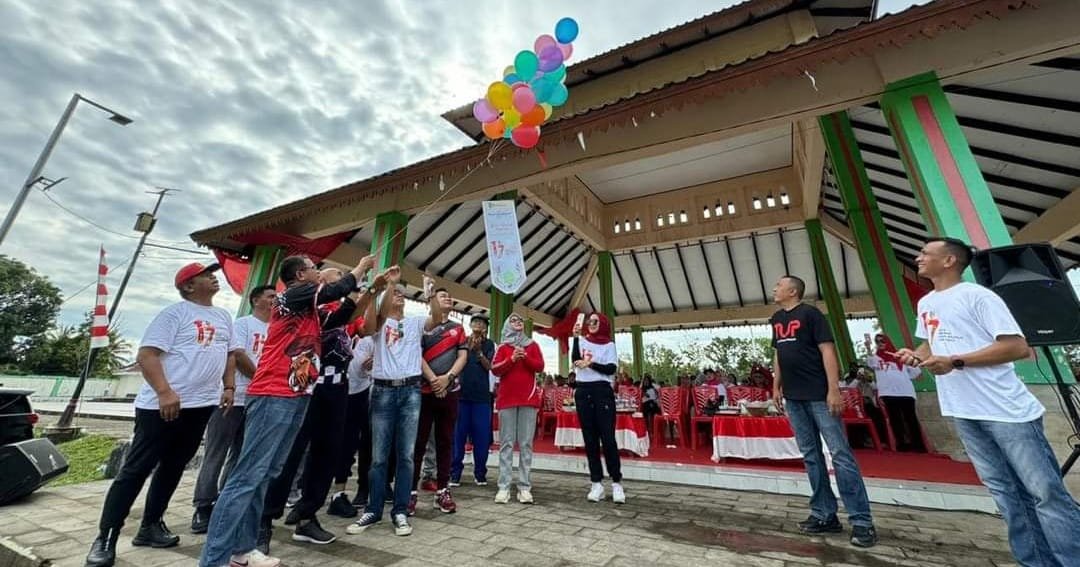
(566, 30)
(558, 95)
(511, 79)
(542, 88)
(507, 133)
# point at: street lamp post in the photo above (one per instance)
(35, 173)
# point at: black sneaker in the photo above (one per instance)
(262, 542)
(200, 520)
(155, 535)
(103, 550)
(293, 517)
(311, 532)
(863, 536)
(814, 525)
(341, 507)
(360, 500)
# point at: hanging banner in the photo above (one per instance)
(505, 259)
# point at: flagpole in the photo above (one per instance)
(69, 412)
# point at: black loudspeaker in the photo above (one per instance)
(26, 466)
(1032, 281)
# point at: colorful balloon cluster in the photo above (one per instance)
(531, 89)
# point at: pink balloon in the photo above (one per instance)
(524, 100)
(567, 50)
(542, 42)
(525, 136)
(521, 85)
(483, 111)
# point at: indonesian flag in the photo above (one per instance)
(99, 329)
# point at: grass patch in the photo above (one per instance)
(85, 456)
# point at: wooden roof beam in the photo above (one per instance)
(346, 256)
(858, 305)
(571, 203)
(808, 160)
(584, 283)
(1056, 225)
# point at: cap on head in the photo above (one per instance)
(185, 274)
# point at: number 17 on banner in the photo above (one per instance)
(504, 246)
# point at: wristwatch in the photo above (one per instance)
(958, 363)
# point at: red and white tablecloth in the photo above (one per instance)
(753, 438)
(630, 432)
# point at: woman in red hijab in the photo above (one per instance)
(897, 393)
(596, 362)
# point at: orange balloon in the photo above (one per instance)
(494, 129)
(534, 117)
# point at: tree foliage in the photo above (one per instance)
(63, 352)
(733, 354)
(29, 303)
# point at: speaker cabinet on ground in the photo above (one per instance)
(1032, 281)
(26, 466)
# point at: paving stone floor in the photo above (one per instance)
(661, 524)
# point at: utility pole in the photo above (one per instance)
(145, 224)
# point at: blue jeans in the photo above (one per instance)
(1018, 467)
(270, 426)
(395, 416)
(812, 421)
(473, 421)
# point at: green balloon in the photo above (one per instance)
(526, 64)
(557, 74)
(558, 95)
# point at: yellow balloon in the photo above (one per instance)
(547, 110)
(500, 96)
(511, 117)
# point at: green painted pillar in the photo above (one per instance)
(564, 362)
(388, 239)
(265, 263)
(607, 297)
(948, 184)
(529, 328)
(502, 304)
(845, 351)
(639, 351)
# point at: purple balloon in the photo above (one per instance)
(483, 111)
(550, 58)
(543, 42)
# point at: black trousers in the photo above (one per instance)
(162, 448)
(324, 429)
(596, 412)
(357, 443)
(905, 423)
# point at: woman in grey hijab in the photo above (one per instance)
(516, 363)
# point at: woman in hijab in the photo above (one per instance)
(897, 393)
(596, 362)
(516, 362)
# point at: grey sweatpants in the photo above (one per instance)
(516, 424)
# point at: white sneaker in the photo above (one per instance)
(596, 493)
(401, 525)
(524, 496)
(502, 496)
(617, 494)
(254, 558)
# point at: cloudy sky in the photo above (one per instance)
(246, 104)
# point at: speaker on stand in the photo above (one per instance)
(1034, 285)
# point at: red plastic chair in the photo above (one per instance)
(672, 410)
(630, 393)
(736, 394)
(855, 414)
(558, 394)
(701, 397)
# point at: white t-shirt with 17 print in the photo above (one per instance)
(397, 349)
(963, 319)
(251, 334)
(195, 341)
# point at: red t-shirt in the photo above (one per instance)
(517, 379)
(289, 363)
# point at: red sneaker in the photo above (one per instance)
(445, 502)
(428, 485)
(411, 509)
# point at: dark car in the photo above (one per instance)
(26, 463)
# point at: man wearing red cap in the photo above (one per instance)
(186, 357)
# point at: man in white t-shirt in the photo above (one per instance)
(185, 357)
(394, 405)
(970, 343)
(225, 432)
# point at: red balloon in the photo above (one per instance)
(525, 136)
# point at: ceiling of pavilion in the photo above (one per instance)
(1023, 126)
(722, 272)
(449, 243)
